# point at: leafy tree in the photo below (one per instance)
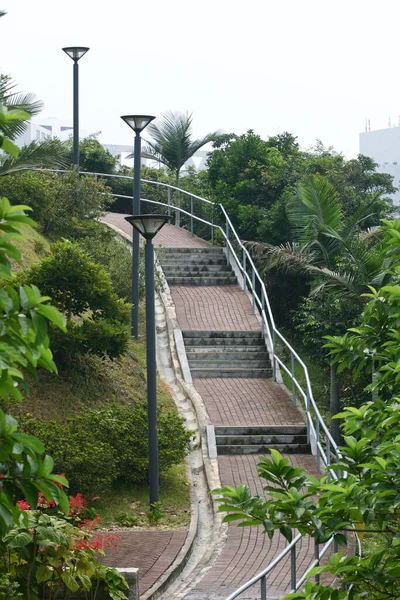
(93, 157)
(97, 319)
(331, 250)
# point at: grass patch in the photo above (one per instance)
(134, 501)
(33, 248)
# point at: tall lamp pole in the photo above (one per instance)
(76, 53)
(148, 226)
(137, 123)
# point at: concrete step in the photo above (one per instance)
(223, 363)
(211, 250)
(264, 449)
(262, 430)
(259, 440)
(188, 273)
(222, 334)
(227, 372)
(224, 353)
(246, 343)
(183, 262)
(202, 281)
(195, 268)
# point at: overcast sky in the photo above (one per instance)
(316, 68)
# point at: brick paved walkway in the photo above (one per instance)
(166, 237)
(152, 552)
(235, 401)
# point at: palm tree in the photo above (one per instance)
(49, 153)
(172, 143)
(341, 258)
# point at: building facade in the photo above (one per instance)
(383, 145)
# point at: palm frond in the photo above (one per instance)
(314, 209)
(343, 284)
(49, 154)
(365, 211)
(171, 141)
(17, 100)
(289, 257)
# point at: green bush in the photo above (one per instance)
(98, 321)
(108, 444)
(59, 201)
(106, 247)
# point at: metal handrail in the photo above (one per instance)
(324, 446)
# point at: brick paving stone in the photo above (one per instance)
(152, 552)
(246, 401)
(213, 308)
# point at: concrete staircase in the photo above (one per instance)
(196, 266)
(227, 354)
(260, 440)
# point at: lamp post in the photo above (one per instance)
(137, 123)
(148, 226)
(76, 53)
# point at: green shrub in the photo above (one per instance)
(98, 321)
(106, 247)
(103, 445)
(59, 200)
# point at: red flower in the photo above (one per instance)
(23, 505)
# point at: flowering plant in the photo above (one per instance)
(48, 548)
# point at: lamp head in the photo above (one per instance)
(137, 122)
(76, 52)
(148, 225)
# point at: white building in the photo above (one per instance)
(46, 127)
(383, 145)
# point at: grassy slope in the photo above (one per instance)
(97, 382)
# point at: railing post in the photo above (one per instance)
(169, 202)
(293, 568)
(262, 313)
(244, 271)
(212, 231)
(253, 290)
(328, 456)
(316, 556)
(191, 215)
(264, 587)
(308, 414)
(318, 450)
(273, 355)
(227, 242)
(293, 378)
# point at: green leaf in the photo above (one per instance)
(21, 540)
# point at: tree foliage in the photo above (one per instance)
(97, 318)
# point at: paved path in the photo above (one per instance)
(152, 552)
(234, 401)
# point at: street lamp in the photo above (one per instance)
(76, 53)
(148, 226)
(137, 123)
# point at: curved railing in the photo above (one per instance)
(318, 435)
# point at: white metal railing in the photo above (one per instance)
(318, 435)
